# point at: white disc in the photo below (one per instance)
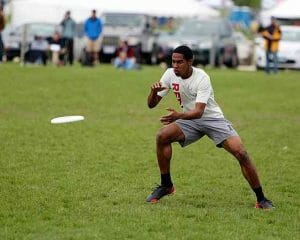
(66, 119)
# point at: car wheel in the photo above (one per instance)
(219, 60)
(234, 61)
(154, 58)
(259, 68)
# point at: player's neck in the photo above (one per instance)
(188, 73)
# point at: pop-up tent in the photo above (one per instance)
(288, 9)
(25, 11)
(28, 11)
(218, 4)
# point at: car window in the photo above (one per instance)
(205, 28)
(238, 37)
(44, 30)
(129, 20)
(225, 30)
(290, 35)
(192, 28)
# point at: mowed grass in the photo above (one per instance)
(89, 180)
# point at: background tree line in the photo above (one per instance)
(251, 3)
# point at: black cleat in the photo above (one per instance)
(159, 192)
(265, 204)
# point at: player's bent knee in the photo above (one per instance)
(162, 137)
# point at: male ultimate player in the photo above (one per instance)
(201, 116)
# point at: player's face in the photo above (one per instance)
(180, 65)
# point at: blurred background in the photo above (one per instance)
(221, 33)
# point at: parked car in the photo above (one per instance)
(14, 36)
(244, 48)
(289, 49)
(211, 40)
(131, 27)
(11, 42)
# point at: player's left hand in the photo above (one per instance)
(171, 117)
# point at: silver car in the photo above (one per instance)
(211, 40)
(13, 37)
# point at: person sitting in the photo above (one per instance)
(37, 52)
(125, 57)
(57, 49)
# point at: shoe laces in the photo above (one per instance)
(157, 186)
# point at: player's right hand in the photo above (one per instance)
(157, 87)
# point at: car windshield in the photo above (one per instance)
(291, 35)
(128, 20)
(194, 28)
(44, 30)
(239, 37)
(41, 29)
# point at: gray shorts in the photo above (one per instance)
(217, 129)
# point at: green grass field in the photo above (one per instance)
(89, 180)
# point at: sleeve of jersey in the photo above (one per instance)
(165, 81)
(204, 90)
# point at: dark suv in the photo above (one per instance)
(211, 40)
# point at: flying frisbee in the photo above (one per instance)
(66, 119)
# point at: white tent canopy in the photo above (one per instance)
(186, 8)
(288, 9)
(219, 4)
(25, 11)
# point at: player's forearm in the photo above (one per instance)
(153, 99)
(193, 114)
(197, 112)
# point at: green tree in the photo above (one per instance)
(251, 3)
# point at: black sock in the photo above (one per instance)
(259, 194)
(166, 180)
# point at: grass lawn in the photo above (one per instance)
(89, 180)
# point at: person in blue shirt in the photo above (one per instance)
(93, 28)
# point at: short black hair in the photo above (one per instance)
(185, 51)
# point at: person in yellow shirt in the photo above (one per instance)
(272, 36)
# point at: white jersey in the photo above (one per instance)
(196, 88)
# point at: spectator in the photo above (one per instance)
(2, 25)
(153, 23)
(57, 49)
(37, 52)
(93, 29)
(68, 34)
(125, 57)
(272, 36)
(170, 25)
